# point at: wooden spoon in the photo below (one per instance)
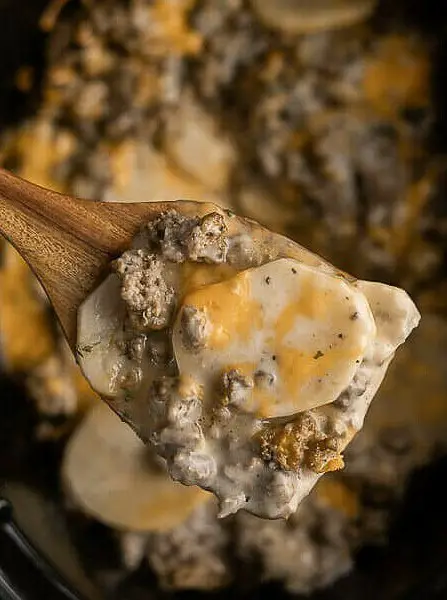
(67, 242)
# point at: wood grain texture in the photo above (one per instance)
(67, 242)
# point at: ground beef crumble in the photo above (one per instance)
(236, 386)
(149, 299)
(192, 555)
(300, 443)
(194, 328)
(208, 242)
(174, 413)
(181, 238)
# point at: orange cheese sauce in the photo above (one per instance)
(187, 385)
(171, 21)
(298, 368)
(195, 276)
(27, 339)
(165, 510)
(338, 496)
(311, 304)
(233, 314)
(235, 317)
(263, 401)
(396, 76)
(295, 366)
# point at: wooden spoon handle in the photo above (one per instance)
(45, 228)
(26, 207)
(66, 241)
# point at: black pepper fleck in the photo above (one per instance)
(274, 357)
(88, 347)
(318, 354)
(267, 280)
(293, 271)
(340, 336)
(354, 316)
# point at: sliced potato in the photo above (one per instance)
(108, 472)
(308, 16)
(304, 329)
(100, 322)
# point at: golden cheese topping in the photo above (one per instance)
(397, 75)
(19, 303)
(299, 331)
(195, 276)
(230, 310)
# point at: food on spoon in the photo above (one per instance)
(244, 360)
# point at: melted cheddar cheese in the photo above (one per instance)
(307, 329)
